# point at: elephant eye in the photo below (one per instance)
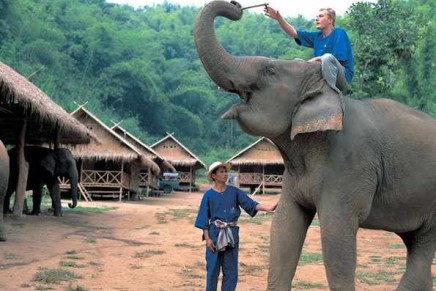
(270, 70)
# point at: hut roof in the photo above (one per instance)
(145, 149)
(112, 147)
(263, 152)
(45, 119)
(176, 153)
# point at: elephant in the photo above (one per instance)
(45, 166)
(355, 163)
(4, 177)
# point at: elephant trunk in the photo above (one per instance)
(224, 69)
(74, 178)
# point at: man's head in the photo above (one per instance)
(325, 19)
(222, 168)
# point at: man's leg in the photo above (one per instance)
(334, 73)
(230, 269)
(213, 270)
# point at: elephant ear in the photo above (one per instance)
(318, 112)
(48, 164)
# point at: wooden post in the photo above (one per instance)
(263, 179)
(190, 180)
(121, 182)
(23, 170)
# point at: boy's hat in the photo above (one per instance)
(216, 165)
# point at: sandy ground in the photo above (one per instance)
(151, 244)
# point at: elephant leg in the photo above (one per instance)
(339, 225)
(36, 198)
(288, 231)
(421, 247)
(7, 202)
(55, 194)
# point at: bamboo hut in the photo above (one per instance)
(147, 180)
(259, 166)
(110, 168)
(29, 116)
(185, 162)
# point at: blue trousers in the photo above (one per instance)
(228, 262)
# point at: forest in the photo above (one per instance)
(140, 67)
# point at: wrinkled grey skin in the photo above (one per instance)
(373, 167)
(45, 166)
(4, 176)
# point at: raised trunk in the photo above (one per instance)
(224, 69)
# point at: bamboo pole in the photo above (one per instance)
(23, 170)
(121, 182)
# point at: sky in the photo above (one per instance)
(306, 8)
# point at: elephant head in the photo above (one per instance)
(61, 163)
(268, 88)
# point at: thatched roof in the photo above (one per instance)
(261, 152)
(112, 146)
(19, 97)
(176, 153)
(145, 149)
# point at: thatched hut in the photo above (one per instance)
(29, 116)
(22, 104)
(109, 168)
(185, 162)
(259, 165)
(146, 179)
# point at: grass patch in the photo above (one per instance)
(75, 288)
(395, 246)
(86, 210)
(71, 264)
(260, 218)
(375, 278)
(184, 245)
(54, 276)
(10, 256)
(308, 258)
(147, 254)
(315, 222)
(190, 273)
(250, 269)
(374, 259)
(307, 285)
(91, 240)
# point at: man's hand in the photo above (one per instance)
(272, 13)
(210, 245)
(315, 59)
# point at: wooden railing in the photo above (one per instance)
(146, 180)
(258, 178)
(185, 177)
(64, 183)
(101, 178)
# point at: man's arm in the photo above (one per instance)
(275, 14)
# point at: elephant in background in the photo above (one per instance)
(357, 164)
(4, 177)
(45, 166)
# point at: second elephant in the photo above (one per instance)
(45, 166)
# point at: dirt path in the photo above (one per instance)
(151, 244)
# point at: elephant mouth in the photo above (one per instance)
(245, 96)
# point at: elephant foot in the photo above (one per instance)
(7, 211)
(35, 212)
(2, 234)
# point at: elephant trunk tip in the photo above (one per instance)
(72, 205)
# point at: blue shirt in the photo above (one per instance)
(336, 43)
(224, 206)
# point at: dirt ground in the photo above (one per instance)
(151, 244)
